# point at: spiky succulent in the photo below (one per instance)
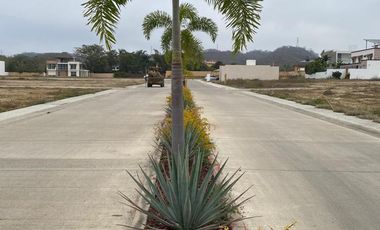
(184, 198)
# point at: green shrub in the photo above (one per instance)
(184, 200)
(193, 122)
(336, 75)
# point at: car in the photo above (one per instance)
(210, 77)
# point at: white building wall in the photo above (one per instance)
(76, 70)
(372, 72)
(2, 69)
(251, 62)
(260, 72)
(364, 74)
(51, 72)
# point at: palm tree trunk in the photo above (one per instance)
(178, 135)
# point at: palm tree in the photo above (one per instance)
(190, 21)
(242, 16)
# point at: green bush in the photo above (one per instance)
(336, 75)
(193, 122)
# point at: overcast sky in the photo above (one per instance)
(58, 25)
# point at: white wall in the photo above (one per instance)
(251, 62)
(364, 74)
(372, 72)
(260, 72)
(2, 69)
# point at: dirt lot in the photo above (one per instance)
(92, 83)
(22, 92)
(354, 98)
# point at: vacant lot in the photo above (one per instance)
(67, 82)
(355, 98)
(17, 93)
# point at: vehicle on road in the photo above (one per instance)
(210, 77)
(154, 77)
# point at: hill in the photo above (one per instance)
(285, 56)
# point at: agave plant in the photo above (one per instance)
(184, 197)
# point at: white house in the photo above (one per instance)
(337, 56)
(2, 69)
(65, 67)
(365, 64)
(249, 71)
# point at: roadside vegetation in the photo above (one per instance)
(352, 97)
(19, 92)
(187, 192)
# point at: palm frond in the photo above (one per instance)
(205, 25)
(192, 47)
(166, 39)
(242, 16)
(103, 16)
(187, 11)
(154, 20)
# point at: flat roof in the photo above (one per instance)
(374, 41)
(357, 51)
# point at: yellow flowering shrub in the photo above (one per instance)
(195, 125)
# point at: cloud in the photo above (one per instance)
(47, 26)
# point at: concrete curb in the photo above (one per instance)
(352, 122)
(41, 107)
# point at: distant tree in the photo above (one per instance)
(217, 65)
(112, 59)
(23, 63)
(135, 62)
(158, 59)
(318, 65)
(94, 58)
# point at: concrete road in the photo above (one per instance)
(62, 168)
(303, 169)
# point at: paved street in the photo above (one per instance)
(303, 169)
(62, 168)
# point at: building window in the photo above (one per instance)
(73, 73)
(73, 66)
(51, 66)
(62, 66)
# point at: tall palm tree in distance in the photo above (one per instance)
(191, 46)
(242, 16)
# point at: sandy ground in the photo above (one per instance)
(22, 92)
(356, 98)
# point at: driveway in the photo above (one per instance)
(321, 175)
(62, 168)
